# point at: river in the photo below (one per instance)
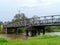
(15, 36)
(53, 33)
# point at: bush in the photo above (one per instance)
(3, 40)
(21, 30)
(48, 29)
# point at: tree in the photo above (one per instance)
(23, 18)
(35, 19)
(1, 22)
(19, 19)
(48, 29)
(0, 25)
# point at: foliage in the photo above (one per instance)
(58, 27)
(3, 40)
(48, 29)
(20, 30)
(52, 28)
(0, 28)
(56, 30)
(1, 22)
(35, 19)
(19, 19)
(0, 25)
(19, 16)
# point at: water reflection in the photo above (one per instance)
(22, 36)
(13, 36)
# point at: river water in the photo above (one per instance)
(15, 36)
(53, 33)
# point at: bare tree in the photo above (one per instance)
(20, 18)
(35, 19)
(23, 18)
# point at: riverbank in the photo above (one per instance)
(38, 40)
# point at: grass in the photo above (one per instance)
(56, 30)
(39, 40)
(3, 40)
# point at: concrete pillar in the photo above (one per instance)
(35, 32)
(32, 33)
(38, 32)
(27, 33)
(43, 31)
(2, 28)
(6, 31)
(17, 31)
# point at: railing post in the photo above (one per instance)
(45, 19)
(39, 20)
(6, 30)
(33, 21)
(52, 19)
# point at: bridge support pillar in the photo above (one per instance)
(32, 33)
(38, 32)
(6, 31)
(27, 33)
(44, 31)
(35, 32)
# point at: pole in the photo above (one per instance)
(6, 30)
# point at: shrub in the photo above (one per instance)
(3, 40)
(48, 29)
(21, 30)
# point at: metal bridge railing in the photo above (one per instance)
(46, 20)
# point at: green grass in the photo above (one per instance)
(39, 40)
(2, 40)
(56, 30)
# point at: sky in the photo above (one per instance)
(8, 8)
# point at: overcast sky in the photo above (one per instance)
(8, 8)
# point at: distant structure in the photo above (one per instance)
(33, 25)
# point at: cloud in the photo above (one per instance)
(29, 7)
(26, 3)
(35, 3)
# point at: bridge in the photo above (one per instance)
(35, 24)
(46, 20)
(41, 22)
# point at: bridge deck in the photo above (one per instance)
(53, 20)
